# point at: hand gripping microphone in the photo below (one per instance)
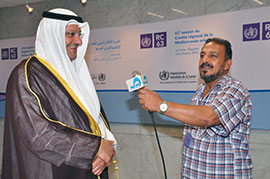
(137, 82)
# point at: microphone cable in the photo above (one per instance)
(134, 73)
(159, 146)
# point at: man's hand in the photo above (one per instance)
(104, 157)
(106, 151)
(98, 166)
(149, 100)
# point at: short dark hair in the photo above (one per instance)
(226, 43)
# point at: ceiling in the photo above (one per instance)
(10, 3)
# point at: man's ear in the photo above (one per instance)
(228, 64)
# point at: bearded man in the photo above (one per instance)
(217, 121)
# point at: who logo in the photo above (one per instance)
(164, 75)
(158, 40)
(251, 32)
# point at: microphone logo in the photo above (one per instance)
(145, 80)
(137, 83)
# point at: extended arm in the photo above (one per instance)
(202, 116)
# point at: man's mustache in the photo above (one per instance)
(73, 45)
(206, 64)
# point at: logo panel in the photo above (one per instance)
(160, 39)
(266, 31)
(5, 53)
(251, 32)
(146, 41)
(13, 53)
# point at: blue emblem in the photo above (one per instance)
(136, 83)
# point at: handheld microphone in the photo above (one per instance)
(138, 81)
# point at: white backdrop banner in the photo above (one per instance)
(168, 52)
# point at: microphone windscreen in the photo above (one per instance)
(135, 72)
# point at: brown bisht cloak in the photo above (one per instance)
(47, 134)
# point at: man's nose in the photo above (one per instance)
(204, 59)
(77, 40)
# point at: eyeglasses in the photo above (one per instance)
(73, 34)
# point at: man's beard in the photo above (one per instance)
(210, 78)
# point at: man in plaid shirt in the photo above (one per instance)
(217, 122)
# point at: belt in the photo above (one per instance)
(195, 127)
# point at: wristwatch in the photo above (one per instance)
(163, 107)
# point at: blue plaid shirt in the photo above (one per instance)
(220, 151)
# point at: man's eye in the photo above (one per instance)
(71, 34)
